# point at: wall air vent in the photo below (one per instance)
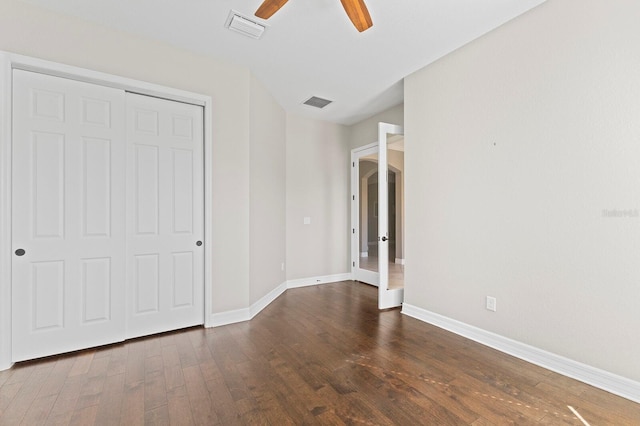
(317, 102)
(244, 25)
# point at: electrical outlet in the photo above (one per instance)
(491, 303)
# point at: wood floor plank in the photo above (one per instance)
(82, 363)
(155, 390)
(4, 376)
(91, 391)
(18, 374)
(417, 387)
(601, 410)
(186, 352)
(66, 401)
(84, 416)
(320, 355)
(290, 383)
(202, 409)
(223, 403)
(132, 411)
(172, 369)
(27, 393)
(110, 405)
(118, 360)
(157, 416)
(53, 384)
(39, 410)
(179, 406)
(8, 391)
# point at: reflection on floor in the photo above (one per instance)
(396, 270)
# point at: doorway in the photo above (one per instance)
(378, 215)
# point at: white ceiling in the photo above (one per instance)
(310, 47)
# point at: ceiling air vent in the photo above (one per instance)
(317, 102)
(244, 25)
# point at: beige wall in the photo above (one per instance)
(267, 203)
(33, 31)
(317, 187)
(366, 131)
(516, 144)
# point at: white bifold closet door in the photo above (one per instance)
(107, 210)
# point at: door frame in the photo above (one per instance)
(9, 62)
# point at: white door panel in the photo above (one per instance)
(165, 215)
(68, 169)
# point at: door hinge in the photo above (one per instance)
(354, 230)
(353, 164)
(354, 264)
(354, 197)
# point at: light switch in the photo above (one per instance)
(307, 220)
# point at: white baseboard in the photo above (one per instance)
(364, 254)
(267, 299)
(602, 379)
(399, 261)
(325, 279)
(228, 317)
(241, 315)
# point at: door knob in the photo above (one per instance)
(199, 243)
(384, 238)
(20, 252)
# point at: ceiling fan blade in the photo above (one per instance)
(358, 13)
(269, 7)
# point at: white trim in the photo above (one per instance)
(366, 276)
(364, 150)
(208, 208)
(325, 279)
(102, 79)
(9, 61)
(229, 317)
(364, 254)
(266, 300)
(602, 379)
(5, 213)
(399, 261)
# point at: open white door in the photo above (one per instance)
(387, 298)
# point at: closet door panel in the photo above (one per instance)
(165, 210)
(68, 226)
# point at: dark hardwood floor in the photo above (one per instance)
(317, 355)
